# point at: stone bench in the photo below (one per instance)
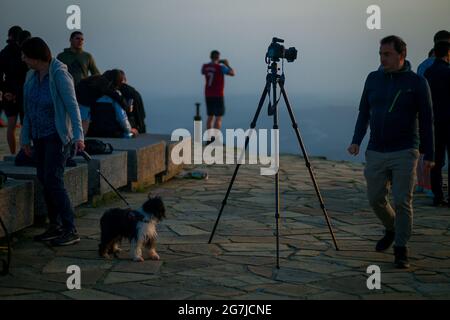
(172, 169)
(146, 158)
(75, 181)
(16, 205)
(112, 166)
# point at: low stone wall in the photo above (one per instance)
(146, 158)
(75, 180)
(113, 166)
(16, 205)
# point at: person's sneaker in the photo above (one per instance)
(51, 233)
(439, 203)
(385, 242)
(401, 257)
(66, 239)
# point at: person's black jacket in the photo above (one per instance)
(90, 89)
(438, 76)
(399, 109)
(12, 69)
(137, 116)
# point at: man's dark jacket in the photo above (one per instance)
(12, 69)
(438, 76)
(398, 107)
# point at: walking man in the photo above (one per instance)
(393, 99)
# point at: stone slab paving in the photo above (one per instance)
(240, 263)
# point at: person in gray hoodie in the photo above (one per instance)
(52, 122)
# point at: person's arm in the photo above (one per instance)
(227, 69)
(66, 90)
(363, 117)
(92, 66)
(425, 120)
(25, 132)
(121, 117)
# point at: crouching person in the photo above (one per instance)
(109, 120)
(52, 122)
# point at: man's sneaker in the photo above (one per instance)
(401, 257)
(386, 241)
(52, 232)
(439, 203)
(66, 239)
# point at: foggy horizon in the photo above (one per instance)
(161, 45)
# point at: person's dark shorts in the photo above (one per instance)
(215, 106)
(11, 109)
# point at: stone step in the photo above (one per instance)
(75, 181)
(172, 169)
(146, 158)
(16, 205)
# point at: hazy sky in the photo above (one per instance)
(161, 44)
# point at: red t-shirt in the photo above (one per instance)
(215, 79)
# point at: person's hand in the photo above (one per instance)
(353, 149)
(79, 146)
(135, 132)
(27, 149)
(225, 62)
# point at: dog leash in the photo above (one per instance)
(88, 158)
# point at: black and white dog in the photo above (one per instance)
(139, 226)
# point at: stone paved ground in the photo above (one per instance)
(240, 264)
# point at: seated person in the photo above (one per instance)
(109, 120)
(136, 115)
(90, 89)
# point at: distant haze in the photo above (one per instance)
(162, 44)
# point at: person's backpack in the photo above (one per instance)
(94, 146)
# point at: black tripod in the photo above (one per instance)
(272, 80)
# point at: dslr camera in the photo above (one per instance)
(276, 51)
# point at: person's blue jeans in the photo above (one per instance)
(51, 157)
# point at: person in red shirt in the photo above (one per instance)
(214, 73)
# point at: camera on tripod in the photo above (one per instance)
(277, 51)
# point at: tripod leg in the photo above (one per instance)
(307, 162)
(277, 178)
(252, 126)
